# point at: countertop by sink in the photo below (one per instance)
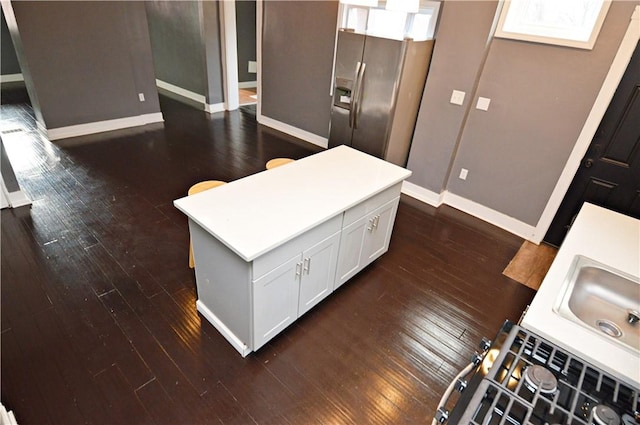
(609, 238)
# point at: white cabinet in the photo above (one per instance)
(318, 273)
(379, 231)
(364, 240)
(275, 301)
(299, 282)
(271, 246)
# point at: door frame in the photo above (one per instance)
(229, 41)
(609, 86)
(230, 54)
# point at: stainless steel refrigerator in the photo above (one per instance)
(377, 91)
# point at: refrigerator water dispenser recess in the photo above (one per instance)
(342, 93)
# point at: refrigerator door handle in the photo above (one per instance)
(358, 95)
(354, 93)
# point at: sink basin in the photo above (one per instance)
(602, 299)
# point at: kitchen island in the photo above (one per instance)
(270, 246)
(611, 239)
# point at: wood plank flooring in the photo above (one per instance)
(98, 313)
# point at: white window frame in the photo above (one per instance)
(514, 24)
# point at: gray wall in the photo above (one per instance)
(212, 52)
(456, 62)
(7, 11)
(8, 59)
(78, 75)
(176, 39)
(185, 38)
(297, 54)
(246, 31)
(540, 97)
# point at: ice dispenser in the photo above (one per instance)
(342, 93)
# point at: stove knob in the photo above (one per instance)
(442, 415)
(476, 359)
(484, 344)
(627, 419)
(460, 385)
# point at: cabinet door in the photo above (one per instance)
(365, 240)
(275, 301)
(351, 244)
(378, 238)
(318, 272)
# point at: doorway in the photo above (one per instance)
(609, 174)
(240, 23)
(246, 44)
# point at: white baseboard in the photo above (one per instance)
(12, 199)
(248, 85)
(421, 194)
(4, 194)
(99, 126)
(472, 208)
(489, 215)
(18, 199)
(11, 78)
(240, 346)
(215, 107)
(198, 99)
(323, 142)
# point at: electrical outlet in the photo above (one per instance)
(483, 103)
(457, 97)
(141, 97)
(463, 173)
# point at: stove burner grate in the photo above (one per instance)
(532, 382)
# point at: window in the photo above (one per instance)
(573, 23)
(385, 19)
(387, 23)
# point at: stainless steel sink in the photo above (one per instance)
(603, 299)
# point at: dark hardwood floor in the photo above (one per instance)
(98, 305)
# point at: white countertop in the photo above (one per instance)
(609, 238)
(257, 213)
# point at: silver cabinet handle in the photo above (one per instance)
(376, 219)
(307, 265)
(298, 269)
(370, 226)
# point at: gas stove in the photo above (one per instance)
(522, 378)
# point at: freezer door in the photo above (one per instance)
(348, 56)
(382, 61)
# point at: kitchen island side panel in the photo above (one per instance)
(223, 281)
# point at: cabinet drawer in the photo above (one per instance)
(277, 256)
(365, 207)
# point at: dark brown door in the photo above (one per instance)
(609, 175)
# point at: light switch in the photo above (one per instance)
(457, 97)
(253, 67)
(463, 173)
(483, 103)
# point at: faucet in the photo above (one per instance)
(633, 317)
